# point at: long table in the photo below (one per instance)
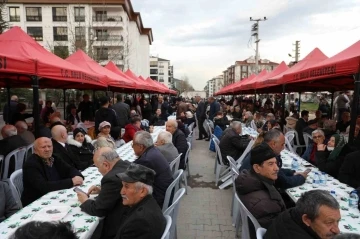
(350, 221)
(83, 223)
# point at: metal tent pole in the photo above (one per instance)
(36, 113)
(354, 108)
(332, 104)
(64, 94)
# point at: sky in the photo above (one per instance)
(202, 38)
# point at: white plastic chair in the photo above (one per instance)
(287, 129)
(289, 140)
(296, 143)
(17, 187)
(260, 232)
(174, 165)
(220, 164)
(191, 126)
(213, 137)
(166, 234)
(187, 170)
(145, 122)
(235, 172)
(173, 186)
(307, 139)
(173, 211)
(18, 156)
(189, 138)
(29, 151)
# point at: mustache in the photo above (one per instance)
(124, 197)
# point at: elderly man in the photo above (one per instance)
(232, 143)
(178, 139)
(316, 215)
(109, 115)
(24, 133)
(301, 124)
(144, 219)
(11, 140)
(201, 116)
(108, 203)
(44, 172)
(8, 205)
(214, 107)
(150, 156)
(318, 137)
(165, 146)
(269, 116)
(62, 150)
(256, 187)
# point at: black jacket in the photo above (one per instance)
(164, 110)
(350, 170)
(179, 141)
(108, 203)
(87, 110)
(67, 155)
(9, 114)
(327, 166)
(84, 152)
(36, 178)
(144, 221)
(146, 111)
(299, 127)
(232, 144)
(123, 113)
(201, 111)
(19, 117)
(109, 115)
(70, 119)
(153, 158)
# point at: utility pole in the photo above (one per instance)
(297, 51)
(255, 33)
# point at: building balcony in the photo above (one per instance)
(109, 38)
(60, 37)
(108, 21)
(154, 66)
(14, 18)
(161, 73)
(106, 18)
(161, 66)
(33, 18)
(59, 18)
(79, 18)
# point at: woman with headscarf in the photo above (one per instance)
(329, 157)
(80, 144)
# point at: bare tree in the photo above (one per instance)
(184, 85)
(3, 24)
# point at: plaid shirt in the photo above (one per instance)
(49, 162)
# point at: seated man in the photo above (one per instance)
(8, 205)
(38, 229)
(178, 139)
(132, 128)
(316, 215)
(165, 146)
(344, 123)
(62, 150)
(221, 120)
(350, 170)
(312, 125)
(232, 143)
(24, 133)
(44, 172)
(150, 156)
(108, 203)
(256, 187)
(144, 219)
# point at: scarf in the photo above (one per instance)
(339, 144)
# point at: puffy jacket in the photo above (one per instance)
(130, 131)
(232, 144)
(84, 152)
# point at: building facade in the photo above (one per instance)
(161, 71)
(107, 30)
(214, 85)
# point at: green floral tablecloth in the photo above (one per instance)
(350, 221)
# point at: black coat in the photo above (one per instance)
(87, 110)
(67, 155)
(201, 111)
(146, 111)
(328, 166)
(109, 115)
(19, 117)
(108, 203)
(179, 141)
(36, 178)
(84, 152)
(8, 205)
(165, 110)
(123, 113)
(153, 158)
(70, 119)
(232, 144)
(144, 221)
(299, 127)
(8, 114)
(350, 170)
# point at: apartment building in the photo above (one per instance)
(161, 70)
(214, 85)
(107, 30)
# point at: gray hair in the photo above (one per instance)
(310, 202)
(9, 130)
(166, 136)
(347, 236)
(139, 185)
(173, 123)
(109, 156)
(318, 131)
(329, 124)
(235, 125)
(21, 124)
(143, 138)
(273, 134)
(271, 115)
(248, 113)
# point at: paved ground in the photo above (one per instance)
(205, 211)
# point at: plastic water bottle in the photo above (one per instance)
(294, 164)
(333, 193)
(316, 180)
(354, 199)
(323, 179)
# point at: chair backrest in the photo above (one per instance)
(260, 232)
(218, 151)
(191, 126)
(187, 154)
(189, 138)
(290, 135)
(307, 138)
(287, 129)
(215, 138)
(173, 210)
(244, 212)
(166, 234)
(18, 156)
(29, 150)
(174, 185)
(17, 187)
(289, 139)
(145, 122)
(234, 171)
(246, 151)
(253, 125)
(297, 142)
(174, 165)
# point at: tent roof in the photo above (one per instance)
(162, 87)
(249, 83)
(82, 60)
(144, 83)
(277, 71)
(237, 85)
(22, 56)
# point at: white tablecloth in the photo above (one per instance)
(350, 221)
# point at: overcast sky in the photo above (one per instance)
(202, 38)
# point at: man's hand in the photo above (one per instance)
(94, 189)
(82, 197)
(77, 180)
(321, 147)
(304, 174)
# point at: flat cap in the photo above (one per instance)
(261, 153)
(138, 173)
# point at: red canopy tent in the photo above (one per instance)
(237, 85)
(153, 84)
(160, 86)
(113, 80)
(144, 83)
(248, 85)
(277, 71)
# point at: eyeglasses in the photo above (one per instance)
(317, 137)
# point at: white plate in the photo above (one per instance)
(51, 213)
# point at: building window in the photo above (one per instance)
(33, 14)
(61, 51)
(36, 33)
(153, 63)
(102, 53)
(102, 35)
(161, 79)
(60, 34)
(59, 14)
(79, 14)
(153, 71)
(161, 72)
(14, 14)
(80, 33)
(100, 16)
(244, 68)
(154, 78)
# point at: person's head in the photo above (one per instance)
(263, 161)
(219, 114)
(237, 108)
(142, 140)
(259, 139)
(345, 117)
(20, 107)
(119, 98)
(334, 141)
(48, 103)
(79, 135)
(14, 98)
(8, 131)
(21, 126)
(73, 110)
(164, 137)
(271, 124)
(43, 147)
(347, 236)
(171, 126)
(348, 93)
(270, 116)
(357, 130)
(86, 97)
(160, 99)
(158, 112)
(232, 109)
(59, 133)
(318, 114)
(54, 118)
(197, 98)
(318, 136)
(104, 159)
(136, 121)
(329, 125)
(276, 140)
(248, 115)
(236, 126)
(305, 115)
(319, 210)
(211, 99)
(105, 127)
(257, 116)
(104, 101)
(42, 230)
(145, 101)
(137, 183)
(313, 124)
